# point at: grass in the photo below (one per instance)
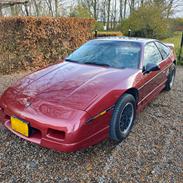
(176, 40)
(107, 33)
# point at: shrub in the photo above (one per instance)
(147, 21)
(176, 40)
(81, 11)
(32, 43)
(108, 34)
(99, 26)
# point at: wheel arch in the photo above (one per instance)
(134, 92)
(113, 130)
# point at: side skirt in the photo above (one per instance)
(150, 97)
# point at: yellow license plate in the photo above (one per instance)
(20, 126)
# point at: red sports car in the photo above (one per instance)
(94, 94)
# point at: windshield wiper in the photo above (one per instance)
(96, 63)
(70, 60)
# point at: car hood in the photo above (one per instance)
(67, 84)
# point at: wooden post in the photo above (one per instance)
(180, 52)
(96, 32)
(129, 32)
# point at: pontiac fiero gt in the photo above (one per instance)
(93, 95)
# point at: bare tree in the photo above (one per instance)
(36, 7)
(108, 13)
(170, 7)
(121, 9)
(131, 4)
(94, 3)
(50, 7)
(141, 2)
(103, 13)
(56, 8)
(114, 14)
(125, 7)
(13, 4)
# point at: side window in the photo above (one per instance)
(165, 50)
(151, 54)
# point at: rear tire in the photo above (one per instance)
(171, 78)
(123, 118)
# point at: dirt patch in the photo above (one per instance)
(153, 152)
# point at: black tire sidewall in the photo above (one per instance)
(115, 132)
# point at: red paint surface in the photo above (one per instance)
(65, 96)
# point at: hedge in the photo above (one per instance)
(109, 34)
(28, 43)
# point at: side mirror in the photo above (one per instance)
(150, 67)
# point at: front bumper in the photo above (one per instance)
(61, 146)
(81, 137)
(77, 135)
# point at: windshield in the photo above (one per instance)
(117, 54)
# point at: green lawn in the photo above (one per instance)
(176, 40)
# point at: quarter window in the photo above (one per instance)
(165, 50)
(151, 54)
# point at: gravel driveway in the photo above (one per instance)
(153, 152)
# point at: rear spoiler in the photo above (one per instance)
(170, 45)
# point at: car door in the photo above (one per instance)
(150, 81)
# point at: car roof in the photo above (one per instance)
(125, 38)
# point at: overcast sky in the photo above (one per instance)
(179, 10)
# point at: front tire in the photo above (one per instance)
(123, 118)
